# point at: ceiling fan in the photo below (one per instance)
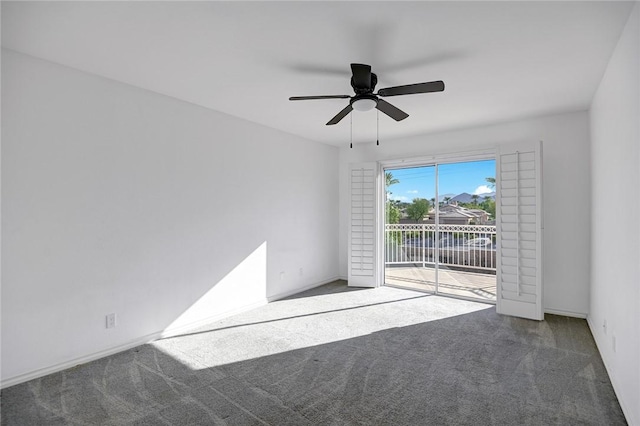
(364, 82)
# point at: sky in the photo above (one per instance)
(454, 179)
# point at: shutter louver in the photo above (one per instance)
(519, 206)
(362, 222)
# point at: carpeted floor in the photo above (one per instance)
(340, 356)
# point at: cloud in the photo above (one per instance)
(413, 191)
(483, 189)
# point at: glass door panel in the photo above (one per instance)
(466, 229)
(409, 228)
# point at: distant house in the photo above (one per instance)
(453, 214)
(482, 216)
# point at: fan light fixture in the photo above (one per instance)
(364, 104)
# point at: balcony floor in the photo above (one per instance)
(479, 286)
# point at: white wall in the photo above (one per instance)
(565, 184)
(615, 234)
(116, 199)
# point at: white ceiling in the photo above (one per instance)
(499, 60)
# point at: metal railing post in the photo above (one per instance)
(423, 239)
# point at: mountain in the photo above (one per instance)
(465, 197)
(462, 198)
(468, 198)
(442, 197)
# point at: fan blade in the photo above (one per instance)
(361, 75)
(342, 114)
(306, 98)
(391, 111)
(410, 89)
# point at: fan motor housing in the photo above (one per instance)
(365, 90)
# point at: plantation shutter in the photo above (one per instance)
(362, 222)
(519, 225)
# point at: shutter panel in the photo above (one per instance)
(519, 225)
(362, 225)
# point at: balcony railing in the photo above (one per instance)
(458, 246)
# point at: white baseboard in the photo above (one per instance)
(175, 331)
(284, 294)
(21, 378)
(625, 409)
(565, 313)
(186, 328)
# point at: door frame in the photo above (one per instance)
(418, 161)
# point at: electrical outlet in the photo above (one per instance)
(301, 272)
(281, 275)
(613, 343)
(111, 320)
(604, 326)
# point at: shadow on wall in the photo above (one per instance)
(476, 368)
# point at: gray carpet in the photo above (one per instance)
(340, 356)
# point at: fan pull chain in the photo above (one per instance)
(377, 127)
(351, 121)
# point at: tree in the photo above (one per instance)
(489, 206)
(393, 213)
(492, 182)
(475, 197)
(446, 200)
(418, 209)
(390, 180)
(392, 210)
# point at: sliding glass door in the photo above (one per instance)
(440, 233)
